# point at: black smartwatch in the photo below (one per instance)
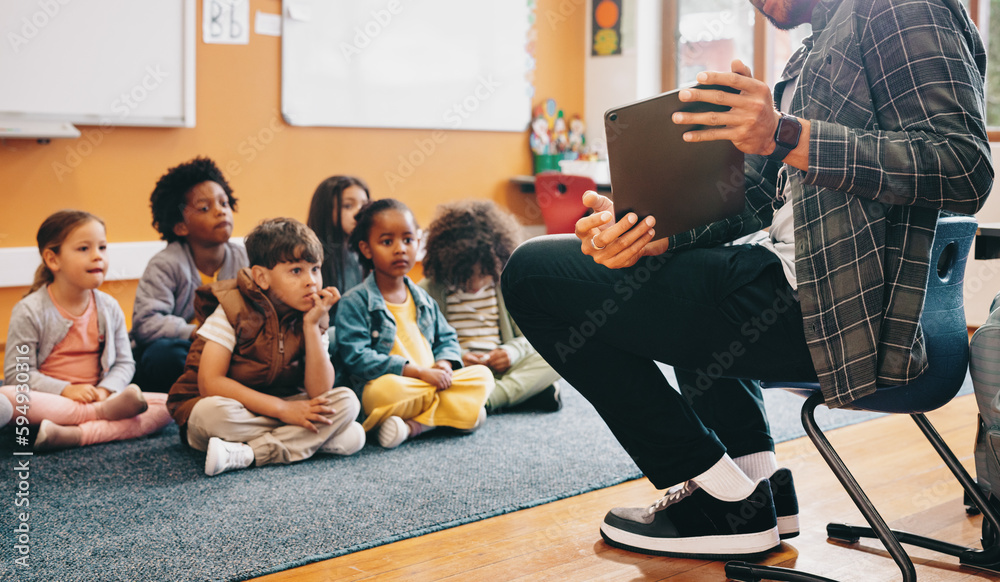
(786, 137)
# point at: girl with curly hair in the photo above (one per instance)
(467, 246)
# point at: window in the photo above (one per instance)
(780, 46)
(709, 34)
(989, 13)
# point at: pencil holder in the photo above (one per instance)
(547, 162)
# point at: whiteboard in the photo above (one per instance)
(118, 62)
(446, 64)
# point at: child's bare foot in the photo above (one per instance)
(52, 437)
(126, 404)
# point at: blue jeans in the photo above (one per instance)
(160, 364)
(722, 317)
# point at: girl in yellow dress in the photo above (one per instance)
(394, 344)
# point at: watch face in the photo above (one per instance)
(788, 131)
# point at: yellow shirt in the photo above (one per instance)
(205, 280)
(208, 279)
(410, 343)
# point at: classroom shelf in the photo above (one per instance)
(527, 184)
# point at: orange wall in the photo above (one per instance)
(238, 101)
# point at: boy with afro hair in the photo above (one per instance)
(467, 246)
(193, 208)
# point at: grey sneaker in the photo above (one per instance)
(689, 523)
(223, 456)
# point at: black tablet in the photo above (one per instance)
(655, 172)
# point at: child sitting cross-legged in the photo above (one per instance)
(467, 246)
(257, 383)
(394, 342)
(193, 211)
(68, 362)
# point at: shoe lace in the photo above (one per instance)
(239, 454)
(673, 495)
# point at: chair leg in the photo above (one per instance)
(987, 558)
(754, 573)
(878, 525)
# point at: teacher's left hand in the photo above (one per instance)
(751, 120)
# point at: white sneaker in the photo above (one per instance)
(346, 442)
(393, 432)
(225, 456)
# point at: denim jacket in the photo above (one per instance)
(366, 332)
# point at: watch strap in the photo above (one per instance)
(780, 152)
(782, 148)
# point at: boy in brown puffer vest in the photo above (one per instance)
(257, 381)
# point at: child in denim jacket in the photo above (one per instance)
(394, 344)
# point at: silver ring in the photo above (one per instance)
(593, 244)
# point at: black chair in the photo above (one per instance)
(947, 342)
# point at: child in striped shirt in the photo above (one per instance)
(467, 246)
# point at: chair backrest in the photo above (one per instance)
(946, 336)
(560, 197)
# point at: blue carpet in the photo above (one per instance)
(143, 510)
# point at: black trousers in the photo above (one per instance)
(722, 317)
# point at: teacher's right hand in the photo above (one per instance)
(615, 245)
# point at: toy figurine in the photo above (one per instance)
(549, 112)
(560, 136)
(576, 137)
(539, 139)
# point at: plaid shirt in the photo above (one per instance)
(894, 91)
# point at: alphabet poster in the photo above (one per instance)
(226, 21)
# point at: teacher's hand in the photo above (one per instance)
(615, 245)
(751, 120)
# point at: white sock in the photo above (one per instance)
(758, 466)
(726, 481)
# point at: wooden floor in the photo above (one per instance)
(560, 541)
